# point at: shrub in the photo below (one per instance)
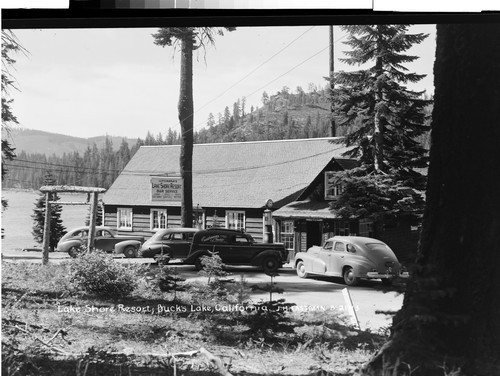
(212, 267)
(97, 273)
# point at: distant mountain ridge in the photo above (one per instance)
(37, 141)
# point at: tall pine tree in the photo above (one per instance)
(449, 323)
(57, 230)
(386, 119)
(189, 39)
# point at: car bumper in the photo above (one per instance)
(147, 253)
(386, 275)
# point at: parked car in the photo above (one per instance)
(173, 243)
(235, 248)
(105, 239)
(349, 257)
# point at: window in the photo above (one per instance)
(177, 236)
(235, 220)
(158, 219)
(341, 228)
(328, 246)
(241, 240)
(351, 248)
(339, 247)
(103, 234)
(333, 188)
(124, 218)
(215, 238)
(287, 234)
(198, 218)
(365, 228)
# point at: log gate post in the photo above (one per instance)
(48, 190)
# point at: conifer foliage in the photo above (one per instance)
(386, 119)
(57, 230)
(10, 45)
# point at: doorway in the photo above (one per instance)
(313, 231)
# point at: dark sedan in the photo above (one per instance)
(172, 242)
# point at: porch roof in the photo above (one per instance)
(306, 210)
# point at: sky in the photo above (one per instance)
(117, 82)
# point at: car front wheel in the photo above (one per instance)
(387, 281)
(129, 252)
(198, 264)
(270, 264)
(74, 252)
(301, 269)
(350, 278)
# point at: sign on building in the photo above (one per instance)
(166, 189)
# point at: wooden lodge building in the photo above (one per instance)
(233, 182)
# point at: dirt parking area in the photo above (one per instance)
(313, 293)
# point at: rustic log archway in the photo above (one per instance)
(93, 193)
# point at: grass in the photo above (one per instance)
(39, 304)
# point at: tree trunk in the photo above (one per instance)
(451, 310)
(379, 118)
(185, 108)
(46, 230)
(333, 130)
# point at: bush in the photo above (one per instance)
(97, 273)
(212, 267)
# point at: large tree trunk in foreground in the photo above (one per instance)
(451, 311)
(186, 120)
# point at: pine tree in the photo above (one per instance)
(385, 117)
(448, 324)
(9, 44)
(189, 39)
(57, 230)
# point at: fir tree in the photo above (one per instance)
(385, 117)
(57, 230)
(10, 44)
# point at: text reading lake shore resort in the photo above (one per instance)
(175, 308)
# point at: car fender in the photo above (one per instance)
(157, 248)
(360, 268)
(119, 247)
(310, 260)
(257, 260)
(198, 253)
(65, 247)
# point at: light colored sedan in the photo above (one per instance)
(350, 257)
(105, 239)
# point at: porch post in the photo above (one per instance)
(46, 230)
(93, 218)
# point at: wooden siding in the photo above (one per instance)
(141, 219)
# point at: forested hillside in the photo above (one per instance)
(285, 115)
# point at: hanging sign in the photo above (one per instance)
(166, 189)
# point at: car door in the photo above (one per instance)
(104, 240)
(337, 260)
(179, 244)
(241, 250)
(324, 256)
(222, 245)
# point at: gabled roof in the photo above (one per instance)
(233, 175)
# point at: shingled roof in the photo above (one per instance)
(232, 175)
